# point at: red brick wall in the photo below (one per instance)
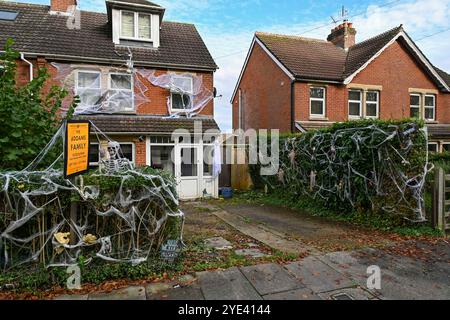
(61, 5)
(266, 94)
(396, 70)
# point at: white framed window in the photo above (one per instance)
(88, 87)
(414, 105)
(127, 149)
(317, 101)
(135, 26)
(121, 92)
(433, 147)
(181, 95)
(355, 103)
(430, 107)
(372, 104)
(445, 146)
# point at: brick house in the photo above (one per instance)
(138, 77)
(296, 84)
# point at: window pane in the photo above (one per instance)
(144, 26)
(316, 107)
(127, 151)
(429, 101)
(208, 152)
(371, 96)
(88, 80)
(446, 147)
(181, 101)
(316, 92)
(189, 162)
(120, 100)
(429, 113)
(161, 158)
(371, 109)
(89, 97)
(354, 95)
(432, 147)
(414, 112)
(184, 84)
(121, 81)
(128, 24)
(93, 153)
(414, 100)
(354, 108)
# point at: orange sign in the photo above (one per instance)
(76, 149)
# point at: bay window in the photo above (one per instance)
(317, 101)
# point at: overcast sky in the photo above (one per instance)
(227, 27)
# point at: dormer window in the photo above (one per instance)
(136, 26)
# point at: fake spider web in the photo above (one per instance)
(121, 215)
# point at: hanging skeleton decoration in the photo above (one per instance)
(115, 162)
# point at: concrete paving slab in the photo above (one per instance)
(182, 293)
(297, 294)
(317, 276)
(129, 293)
(218, 243)
(270, 278)
(227, 284)
(252, 253)
(157, 287)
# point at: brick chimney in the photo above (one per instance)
(343, 35)
(61, 5)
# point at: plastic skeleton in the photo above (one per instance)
(115, 163)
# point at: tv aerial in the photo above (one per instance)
(342, 16)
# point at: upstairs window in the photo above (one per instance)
(317, 101)
(354, 103)
(182, 93)
(135, 26)
(8, 15)
(414, 106)
(430, 106)
(121, 92)
(88, 87)
(372, 104)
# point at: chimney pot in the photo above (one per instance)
(343, 35)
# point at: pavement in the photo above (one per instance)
(340, 275)
(332, 276)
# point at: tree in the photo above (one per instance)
(29, 116)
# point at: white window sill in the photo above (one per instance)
(318, 118)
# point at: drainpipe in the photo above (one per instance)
(22, 57)
(293, 106)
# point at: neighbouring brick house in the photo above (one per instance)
(296, 84)
(138, 76)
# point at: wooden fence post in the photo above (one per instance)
(439, 198)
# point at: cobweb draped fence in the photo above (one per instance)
(121, 216)
(364, 165)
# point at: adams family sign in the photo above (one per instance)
(76, 148)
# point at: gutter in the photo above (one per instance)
(22, 57)
(61, 57)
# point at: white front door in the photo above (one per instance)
(188, 168)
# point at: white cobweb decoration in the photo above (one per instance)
(121, 215)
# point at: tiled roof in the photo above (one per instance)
(147, 124)
(37, 31)
(361, 52)
(304, 57)
(317, 59)
(444, 75)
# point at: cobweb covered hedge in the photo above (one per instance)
(364, 165)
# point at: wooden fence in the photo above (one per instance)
(441, 200)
